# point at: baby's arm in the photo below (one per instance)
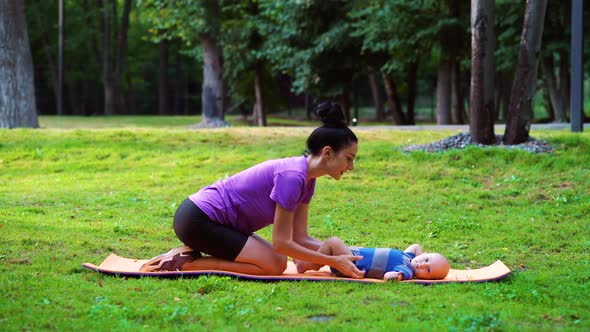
(416, 249)
(393, 275)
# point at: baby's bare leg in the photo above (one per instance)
(333, 247)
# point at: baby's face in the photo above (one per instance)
(430, 266)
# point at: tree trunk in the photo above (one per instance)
(91, 25)
(213, 98)
(355, 104)
(213, 89)
(455, 40)
(393, 100)
(564, 57)
(552, 91)
(344, 101)
(412, 76)
(564, 78)
(502, 99)
(45, 40)
(374, 85)
(107, 81)
(520, 111)
(447, 41)
(259, 111)
(309, 108)
(131, 100)
(547, 99)
(457, 105)
(481, 125)
(114, 101)
(75, 98)
(120, 57)
(163, 79)
(17, 89)
(180, 85)
(443, 93)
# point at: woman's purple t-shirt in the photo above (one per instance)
(246, 201)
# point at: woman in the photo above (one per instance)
(220, 219)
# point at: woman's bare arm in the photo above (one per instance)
(300, 234)
(284, 243)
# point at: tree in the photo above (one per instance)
(399, 42)
(311, 41)
(452, 37)
(520, 111)
(198, 24)
(393, 44)
(317, 48)
(245, 57)
(555, 59)
(121, 54)
(393, 99)
(163, 104)
(213, 92)
(134, 80)
(17, 91)
(112, 65)
(38, 13)
(376, 95)
(482, 72)
(508, 28)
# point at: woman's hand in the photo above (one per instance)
(344, 264)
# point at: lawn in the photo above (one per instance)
(69, 196)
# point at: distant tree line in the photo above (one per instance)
(212, 57)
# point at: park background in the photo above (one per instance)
(394, 62)
(105, 171)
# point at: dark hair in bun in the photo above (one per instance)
(333, 133)
(331, 115)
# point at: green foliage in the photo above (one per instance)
(321, 46)
(83, 57)
(70, 196)
(182, 19)
(310, 41)
(509, 20)
(398, 37)
(245, 52)
(404, 31)
(42, 19)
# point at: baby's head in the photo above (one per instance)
(430, 266)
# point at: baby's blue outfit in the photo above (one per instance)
(377, 261)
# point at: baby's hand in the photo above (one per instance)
(393, 275)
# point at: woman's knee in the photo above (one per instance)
(275, 265)
(260, 253)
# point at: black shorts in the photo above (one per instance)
(195, 229)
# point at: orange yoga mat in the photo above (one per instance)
(121, 266)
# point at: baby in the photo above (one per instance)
(385, 263)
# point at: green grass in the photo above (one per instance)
(150, 121)
(69, 196)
